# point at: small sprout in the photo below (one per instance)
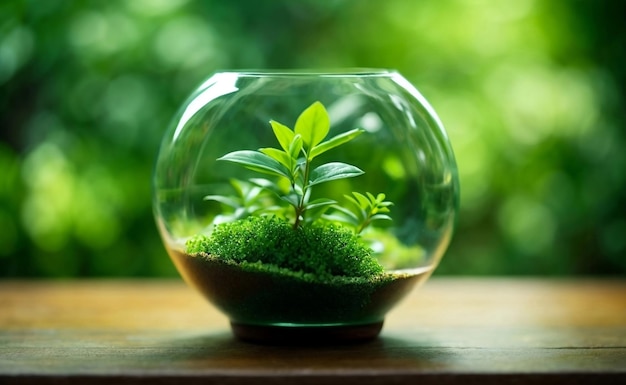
(249, 199)
(364, 210)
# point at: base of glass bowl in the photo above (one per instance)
(306, 335)
(278, 308)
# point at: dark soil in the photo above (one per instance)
(256, 294)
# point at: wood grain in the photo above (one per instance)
(447, 332)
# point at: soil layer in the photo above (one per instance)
(250, 295)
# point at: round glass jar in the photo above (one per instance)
(305, 205)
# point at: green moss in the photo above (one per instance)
(322, 251)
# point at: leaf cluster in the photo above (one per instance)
(248, 199)
(293, 162)
(363, 210)
(254, 231)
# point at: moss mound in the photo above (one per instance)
(323, 251)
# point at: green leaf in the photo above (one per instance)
(295, 146)
(281, 156)
(313, 124)
(267, 185)
(228, 201)
(334, 142)
(297, 187)
(283, 134)
(364, 203)
(333, 171)
(319, 203)
(252, 194)
(292, 199)
(344, 216)
(381, 216)
(238, 186)
(257, 161)
(360, 213)
(314, 211)
(352, 200)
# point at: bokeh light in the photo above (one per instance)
(532, 94)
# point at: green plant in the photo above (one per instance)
(253, 231)
(365, 209)
(249, 199)
(293, 162)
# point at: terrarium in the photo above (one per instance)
(305, 205)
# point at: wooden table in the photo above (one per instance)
(450, 331)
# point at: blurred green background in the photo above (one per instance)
(532, 94)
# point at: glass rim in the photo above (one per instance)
(307, 72)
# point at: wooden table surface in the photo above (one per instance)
(449, 331)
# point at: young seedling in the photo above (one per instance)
(293, 161)
(365, 210)
(249, 199)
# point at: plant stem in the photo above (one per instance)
(305, 186)
(363, 226)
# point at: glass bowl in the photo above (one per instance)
(305, 205)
